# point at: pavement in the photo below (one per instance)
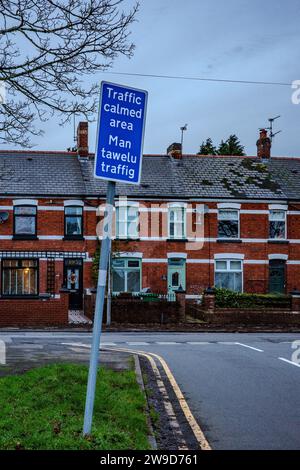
(242, 389)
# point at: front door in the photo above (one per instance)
(73, 282)
(277, 276)
(176, 274)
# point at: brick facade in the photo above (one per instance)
(54, 179)
(154, 271)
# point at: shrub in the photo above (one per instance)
(226, 298)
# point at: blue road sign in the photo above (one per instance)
(120, 133)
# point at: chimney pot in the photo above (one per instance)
(263, 145)
(174, 150)
(82, 139)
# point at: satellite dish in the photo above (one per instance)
(3, 217)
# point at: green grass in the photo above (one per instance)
(43, 409)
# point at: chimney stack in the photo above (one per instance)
(174, 150)
(264, 145)
(82, 139)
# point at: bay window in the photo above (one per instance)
(126, 275)
(229, 274)
(20, 277)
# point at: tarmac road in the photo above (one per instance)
(243, 389)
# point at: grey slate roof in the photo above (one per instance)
(63, 174)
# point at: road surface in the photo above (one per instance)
(243, 389)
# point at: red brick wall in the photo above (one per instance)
(51, 222)
(255, 317)
(34, 312)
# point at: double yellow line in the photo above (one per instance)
(198, 433)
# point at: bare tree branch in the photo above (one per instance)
(47, 49)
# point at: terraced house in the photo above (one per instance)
(193, 222)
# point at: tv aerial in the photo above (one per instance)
(270, 128)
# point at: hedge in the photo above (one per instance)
(225, 298)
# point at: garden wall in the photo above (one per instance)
(35, 312)
(137, 311)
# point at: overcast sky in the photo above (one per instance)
(233, 39)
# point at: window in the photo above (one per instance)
(177, 222)
(229, 274)
(228, 223)
(277, 224)
(25, 221)
(127, 221)
(126, 275)
(20, 277)
(73, 222)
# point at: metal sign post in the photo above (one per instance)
(104, 255)
(118, 158)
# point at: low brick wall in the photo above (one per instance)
(136, 311)
(225, 316)
(287, 313)
(34, 312)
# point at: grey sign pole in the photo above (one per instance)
(103, 262)
(108, 303)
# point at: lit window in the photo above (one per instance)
(73, 222)
(229, 274)
(126, 275)
(19, 277)
(127, 221)
(177, 222)
(25, 221)
(228, 223)
(277, 224)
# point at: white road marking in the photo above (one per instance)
(165, 343)
(50, 335)
(81, 345)
(289, 362)
(250, 347)
(227, 342)
(78, 350)
(136, 343)
(198, 342)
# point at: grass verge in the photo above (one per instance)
(43, 409)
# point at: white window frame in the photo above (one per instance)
(127, 269)
(172, 207)
(228, 269)
(127, 206)
(231, 209)
(273, 209)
